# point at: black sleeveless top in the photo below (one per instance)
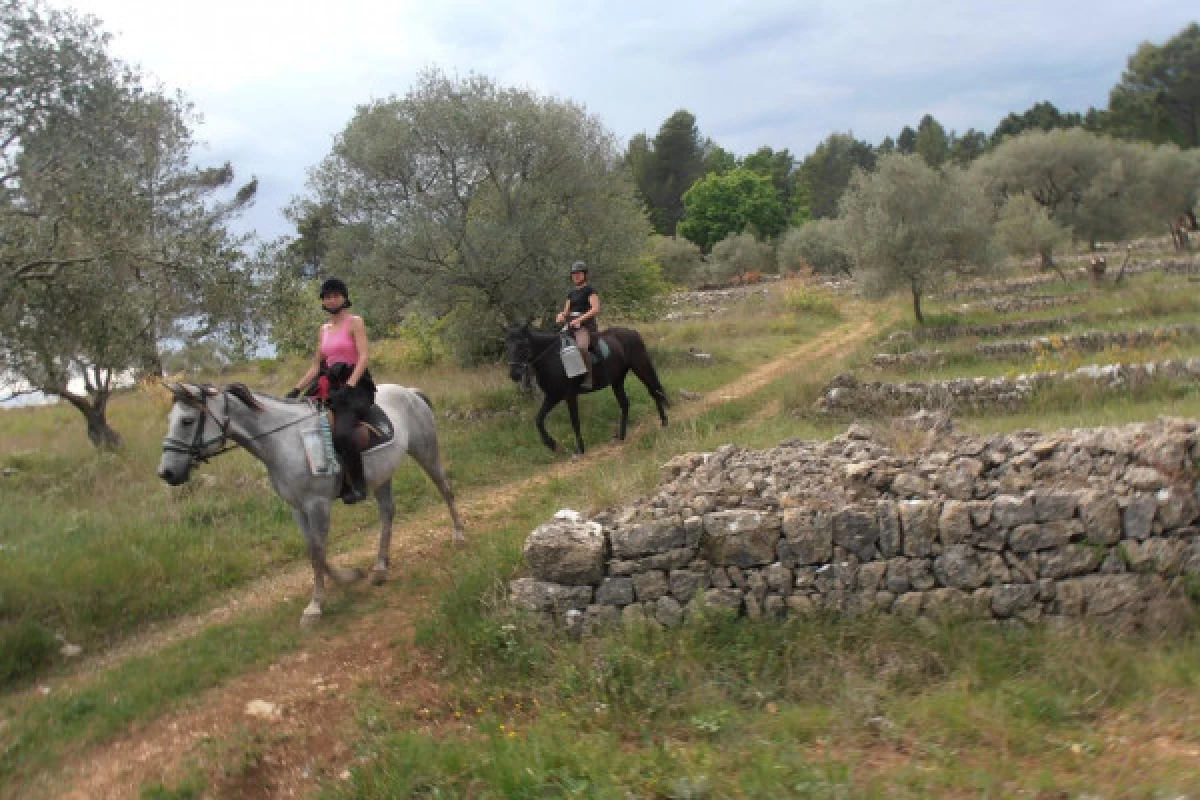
(580, 299)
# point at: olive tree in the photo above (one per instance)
(908, 225)
(469, 199)
(819, 244)
(112, 238)
(680, 261)
(1024, 229)
(739, 254)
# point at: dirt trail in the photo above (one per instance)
(302, 738)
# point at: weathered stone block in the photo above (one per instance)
(599, 618)
(890, 540)
(1069, 561)
(648, 538)
(808, 538)
(668, 612)
(1043, 536)
(919, 526)
(727, 599)
(1050, 504)
(954, 525)
(871, 574)
(856, 531)
(897, 580)
(615, 592)
(649, 586)
(958, 567)
(800, 604)
(740, 538)
(1176, 507)
(1009, 511)
(909, 604)
(1010, 598)
(1139, 516)
(780, 579)
(1159, 555)
(1101, 517)
(530, 594)
(920, 574)
(683, 584)
(1145, 479)
(566, 552)
(947, 603)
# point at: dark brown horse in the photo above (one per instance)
(536, 353)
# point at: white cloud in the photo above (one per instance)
(277, 81)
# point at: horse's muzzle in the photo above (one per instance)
(172, 476)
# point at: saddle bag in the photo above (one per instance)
(318, 447)
(572, 359)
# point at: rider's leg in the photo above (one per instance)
(345, 416)
(583, 339)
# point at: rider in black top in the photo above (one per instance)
(581, 308)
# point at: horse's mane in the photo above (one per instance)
(242, 392)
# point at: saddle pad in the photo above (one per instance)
(374, 431)
(602, 350)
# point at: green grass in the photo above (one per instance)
(808, 708)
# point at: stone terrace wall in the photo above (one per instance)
(845, 393)
(1085, 523)
(945, 332)
(1086, 342)
(1012, 305)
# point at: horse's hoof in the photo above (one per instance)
(378, 577)
(459, 539)
(310, 617)
(354, 575)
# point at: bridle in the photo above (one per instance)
(527, 341)
(200, 451)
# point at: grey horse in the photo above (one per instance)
(205, 419)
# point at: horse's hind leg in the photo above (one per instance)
(425, 452)
(387, 512)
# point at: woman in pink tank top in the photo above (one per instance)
(341, 358)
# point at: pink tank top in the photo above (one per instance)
(337, 345)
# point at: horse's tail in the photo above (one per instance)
(639, 362)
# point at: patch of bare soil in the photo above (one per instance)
(281, 731)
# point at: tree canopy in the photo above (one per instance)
(112, 238)
(468, 198)
(908, 225)
(720, 205)
(1158, 96)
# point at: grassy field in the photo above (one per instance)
(96, 549)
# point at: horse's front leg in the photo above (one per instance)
(314, 521)
(387, 512)
(573, 407)
(547, 405)
(618, 388)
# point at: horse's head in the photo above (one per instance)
(520, 352)
(197, 429)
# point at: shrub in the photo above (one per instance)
(25, 648)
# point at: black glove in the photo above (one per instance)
(293, 394)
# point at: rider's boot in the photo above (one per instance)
(586, 385)
(354, 489)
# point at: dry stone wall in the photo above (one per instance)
(1086, 342)
(1095, 523)
(847, 394)
(1012, 305)
(945, 332)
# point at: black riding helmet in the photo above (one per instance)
(335, 286)
(579, 266)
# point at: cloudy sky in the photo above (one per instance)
(276, 81)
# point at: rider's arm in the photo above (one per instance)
(359, 331)
(594, 302)
(314, 369)
(566, 310)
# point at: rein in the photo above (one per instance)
(527, 364)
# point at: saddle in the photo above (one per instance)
(375, 431)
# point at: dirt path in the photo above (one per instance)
(300, 738)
